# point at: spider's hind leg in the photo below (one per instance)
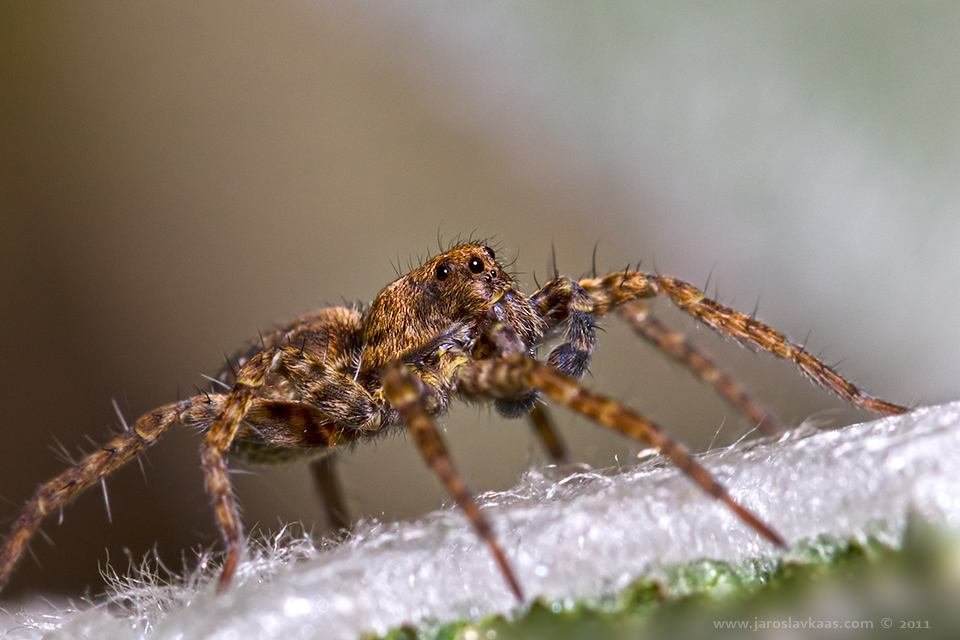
(58, 492)
(321, 388)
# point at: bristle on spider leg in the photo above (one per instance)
(106, 498)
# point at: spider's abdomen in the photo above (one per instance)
(332, 335)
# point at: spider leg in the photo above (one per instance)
(56, 493)
(503, 376)
(213, 455)
(676, 346)
(278, 432)
(619, 288)
(334, 394)
(328, 485)
(543, 427)
(407, 394)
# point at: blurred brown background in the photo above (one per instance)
(175, 177)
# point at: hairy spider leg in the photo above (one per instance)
(498, 376)
(675, 345)
(273, 430)
(563, 299)
(333, 393)
(619, 288)
(330, 489)
(407, 393)
(625, 289)
(66, 487)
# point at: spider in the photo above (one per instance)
(455, 327)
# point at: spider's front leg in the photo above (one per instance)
(498, 377)
(618, 289)
(332, 393)
(544, 429)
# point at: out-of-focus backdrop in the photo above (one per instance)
(176, 176)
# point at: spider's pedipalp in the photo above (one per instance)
(563, 300)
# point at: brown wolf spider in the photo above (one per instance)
(455, 327)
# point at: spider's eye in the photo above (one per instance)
(493, 256)
(475, 265)
(443, 271)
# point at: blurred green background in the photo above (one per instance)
(175, 176)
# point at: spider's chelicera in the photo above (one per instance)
(455, 327)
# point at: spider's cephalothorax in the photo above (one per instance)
(456, 326)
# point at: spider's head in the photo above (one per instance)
(463, 286)
(463, 282)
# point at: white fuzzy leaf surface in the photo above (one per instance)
(568, 536)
